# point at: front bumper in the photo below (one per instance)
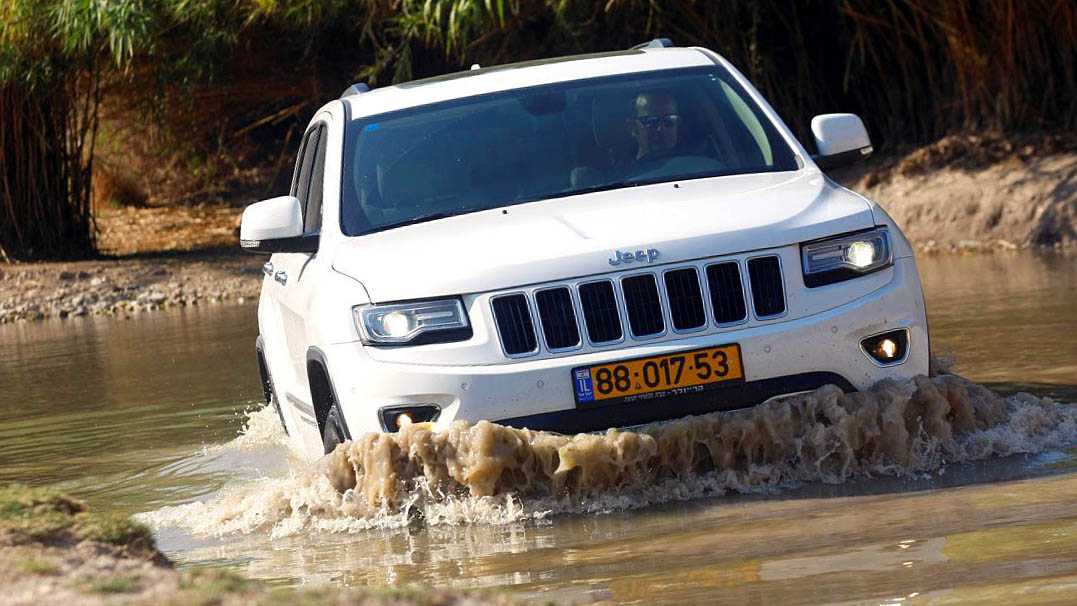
(779, 358)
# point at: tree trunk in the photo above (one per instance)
(46, 139)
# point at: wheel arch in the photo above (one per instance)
(322, 392)
(268, 393)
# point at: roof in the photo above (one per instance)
(519, 75)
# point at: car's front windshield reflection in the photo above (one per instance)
(551, 141)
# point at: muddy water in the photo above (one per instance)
(141, 416)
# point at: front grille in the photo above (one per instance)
(727, 294)
(514, 324)
(600, 312)
(643, 305)
(685, 299)
(558, 318)
(768, 293)
(685, 293)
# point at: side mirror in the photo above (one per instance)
(841, 140)
(275, 225)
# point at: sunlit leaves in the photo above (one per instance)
(115, 29)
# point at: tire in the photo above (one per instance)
(333, 434)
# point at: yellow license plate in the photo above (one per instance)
(671, 374)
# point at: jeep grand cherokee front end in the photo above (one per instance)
(572, 245)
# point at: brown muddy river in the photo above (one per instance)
(155, 416)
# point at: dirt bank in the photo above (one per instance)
(54, 551)
(978, 192)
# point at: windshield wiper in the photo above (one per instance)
(603, 187)
(430, 217)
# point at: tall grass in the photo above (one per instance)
(916, 69)
(925, 68)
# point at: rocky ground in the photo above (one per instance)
(54, 551)
(127, 286)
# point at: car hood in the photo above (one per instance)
(576, 236)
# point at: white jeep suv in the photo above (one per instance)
(572, 244)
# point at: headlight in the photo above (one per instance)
(844, 257)
(412, 323)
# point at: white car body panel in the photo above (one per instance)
(307, 318)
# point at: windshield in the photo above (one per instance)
(552, 141)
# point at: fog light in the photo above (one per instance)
(394, 418)
(888, 347)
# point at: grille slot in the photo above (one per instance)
(685, 299)
(727, 294)
(558, 318)
(768, 295)
(600, 312)
(514, 324)
(643, 305)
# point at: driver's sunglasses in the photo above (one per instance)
(656, 122)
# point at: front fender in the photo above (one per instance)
(330, 314)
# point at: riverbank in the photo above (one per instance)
(124, 287)
(961, 194)
(54, 551)
(969, 193)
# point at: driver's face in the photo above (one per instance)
(656, 122)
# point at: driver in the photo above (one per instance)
(654, 128)
(655, 125)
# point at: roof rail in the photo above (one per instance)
(656, 43)
(355, 89)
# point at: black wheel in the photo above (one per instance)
(333, 434)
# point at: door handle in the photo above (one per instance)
(267, 268)
(282, 277)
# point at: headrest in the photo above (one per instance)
(610, 113)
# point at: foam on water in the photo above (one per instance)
(487, 473)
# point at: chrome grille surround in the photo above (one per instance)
(617, 306)
(629, 296)
(545, 326)
(615, 280)
(508, 332)
(754, 296)
(668, 299)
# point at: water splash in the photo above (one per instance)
(487, 473)
(261, 428)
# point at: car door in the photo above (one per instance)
(293, 275)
